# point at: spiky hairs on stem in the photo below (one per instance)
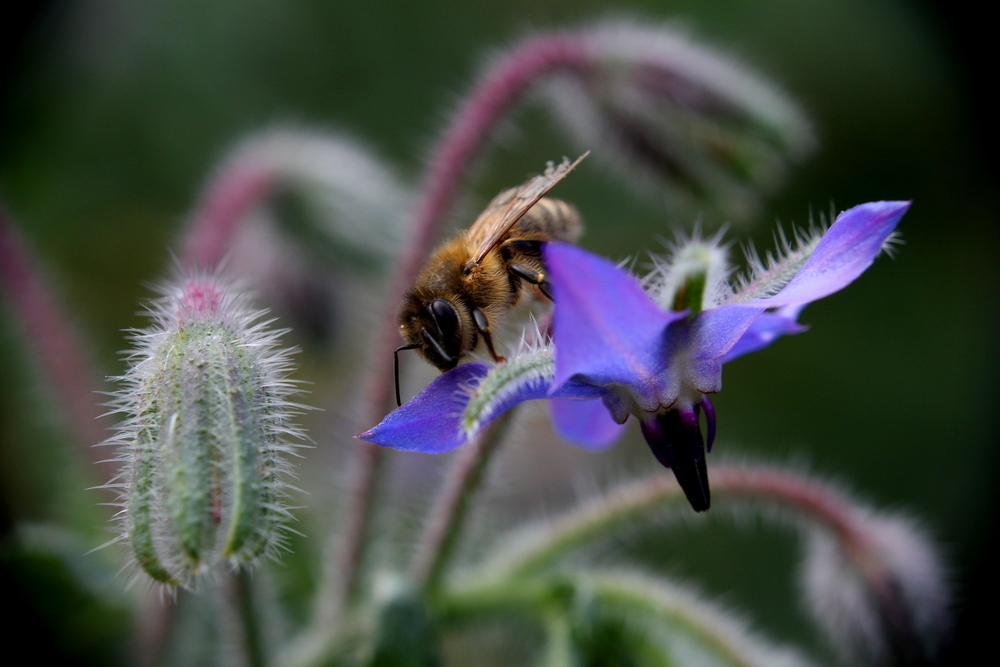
(206, 432)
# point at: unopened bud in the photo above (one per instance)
(670, 113)
(881, 597)
(207, 424)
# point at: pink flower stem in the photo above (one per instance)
(55, 344)
(813, 500)
(444, 523)
(787, 490)
(232, 193)
(465, 136)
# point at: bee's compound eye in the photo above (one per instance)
(445, 318)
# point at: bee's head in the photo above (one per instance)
(435, 327)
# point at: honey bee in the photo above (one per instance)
(471, 282)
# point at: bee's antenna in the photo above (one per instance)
(395, 366)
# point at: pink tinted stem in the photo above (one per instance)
(54, 344)
(840, 516)
(229, 197)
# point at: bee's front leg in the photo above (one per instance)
(536, 278)
(483, 327)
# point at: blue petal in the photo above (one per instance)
(430, 421)
(606, 329)
(765, 330)
(585, 423)
(718, 329)
(846, 250)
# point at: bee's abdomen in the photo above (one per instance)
(554, 218)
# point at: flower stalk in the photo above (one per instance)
(873, 580)
(650, 608)
(53, 339)
(543, 547)
(443, 528)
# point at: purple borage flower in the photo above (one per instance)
(653, 349)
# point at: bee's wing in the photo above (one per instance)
(509, 206)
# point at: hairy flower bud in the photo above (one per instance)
(880, 596)
(207, 424)
(669, 112)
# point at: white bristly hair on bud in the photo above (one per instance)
(896, 610)
(206, 435)
(692, 259)
(891, 243)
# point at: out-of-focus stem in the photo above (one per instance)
(559, 650)
(654, 601)
(781, 488)
(243, 595)
(621, 591)
(55, 344)
(238, 624)
(152, 628)
(229, 197)
(465, 135)
(796, 492)
(473, 123)
(444, 523)
(585, 523)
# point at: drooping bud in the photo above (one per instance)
(333, 195)
(671, 113)
(207, 426)
(878, 591)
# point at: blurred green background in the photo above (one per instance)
(114, 111)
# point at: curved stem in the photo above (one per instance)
(443, 527)
(710, 629)
(636, 596)
(806, 497)
(543, 546)
(231, 194)
(472, 125)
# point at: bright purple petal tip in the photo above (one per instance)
(848, 248)
(430, 422)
